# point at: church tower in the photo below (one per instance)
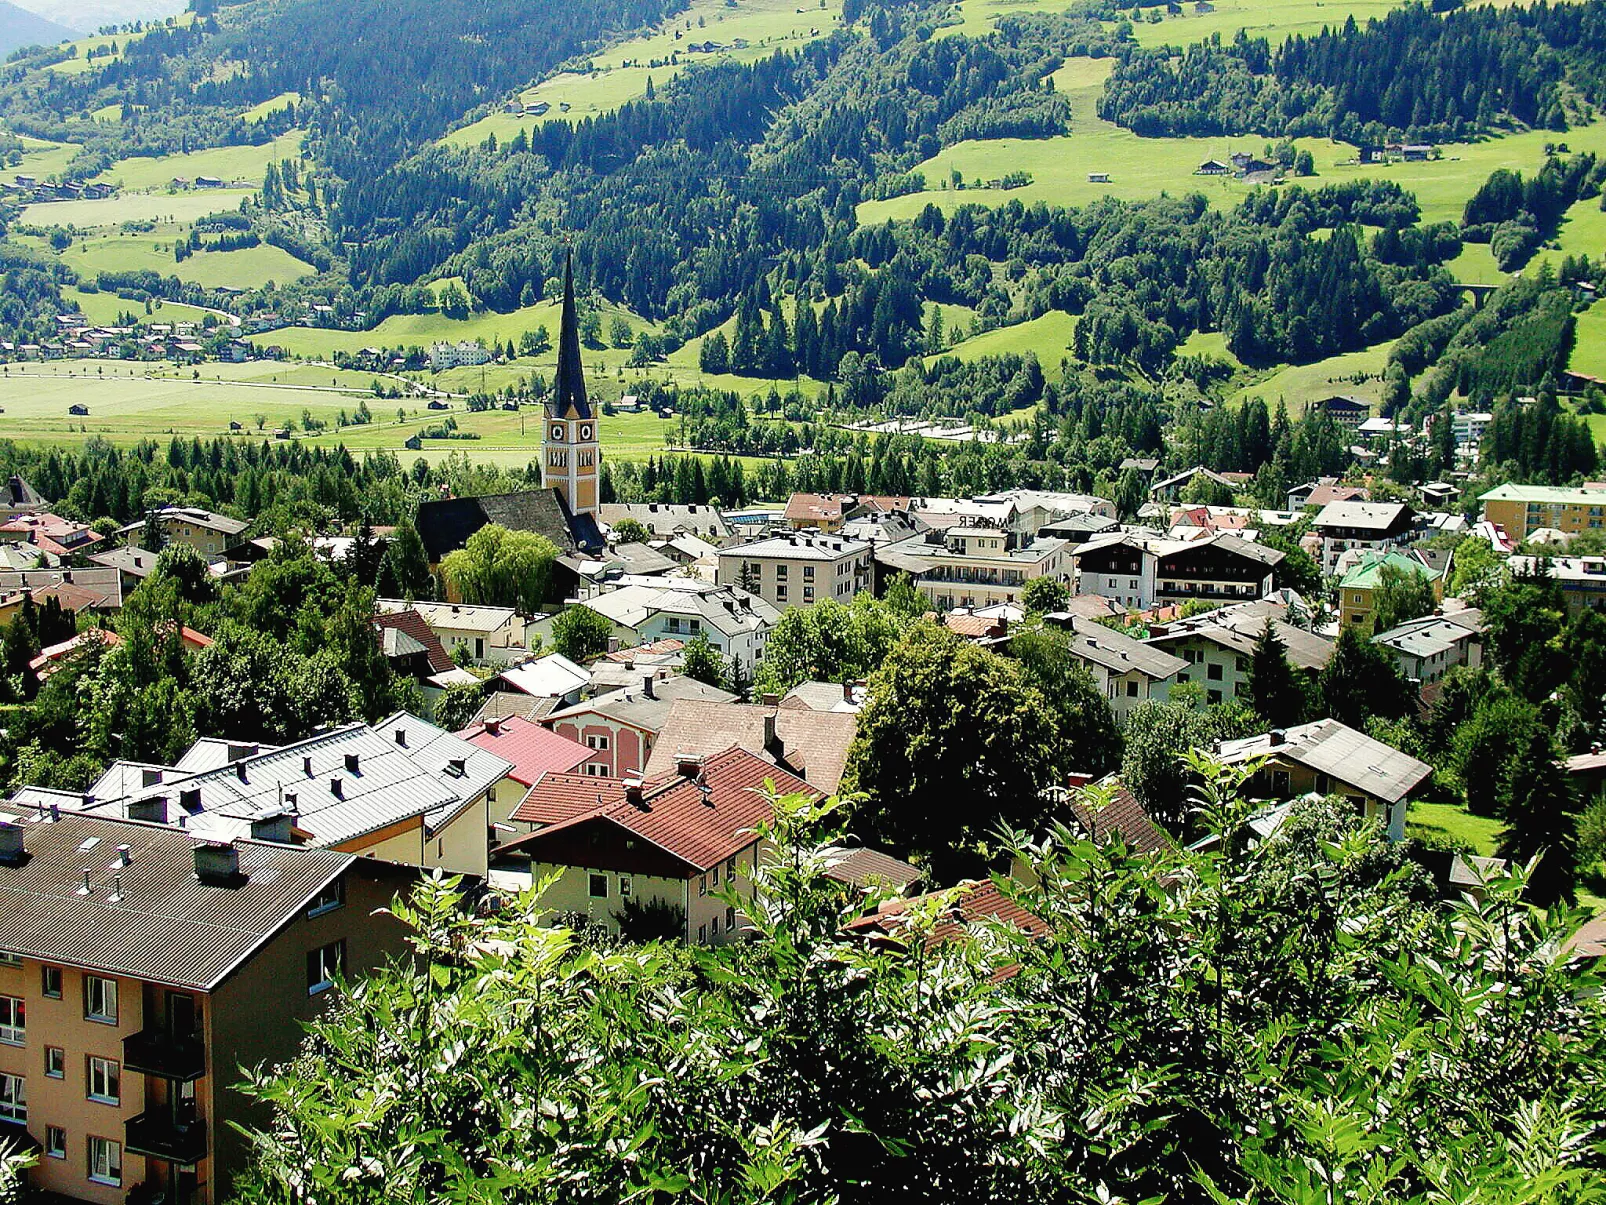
(570, 450)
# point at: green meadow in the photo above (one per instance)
(231, 164)
(1301, 384)
(44, 159)
(250, 267)
(272, 105)
(619, 74)
(181, 207)
(102, 309)
(1049, 336)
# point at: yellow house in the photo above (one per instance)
(1523, 509)
(1357, 589)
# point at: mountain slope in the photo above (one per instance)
(19, 27)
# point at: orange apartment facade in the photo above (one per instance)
(141, 970)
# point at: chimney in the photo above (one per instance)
(272, 826)
(352, 762)
(634, 794)
(13, 849)
(190, 800)
(772, 743)
(306, 766)
(1076, 780)
(770, 700)
(1276, 737)
(646, 685)
(401, 737)
(688, 765)
(493, 727)
(153, 808)
(335, 788)
(457, 766)
(239, 770)
(216, 862)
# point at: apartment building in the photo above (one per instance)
(1142, 571)
(1367, 526)
(209, 533)
(1523, 509)
(679, 840)
(619, 729)
(735, 622)
(795, 570)
(976, 566)
(402, 790)
(140, 969)
(1581, 579)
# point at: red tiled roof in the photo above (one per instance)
(533, 748)
(974, 903)
(411, 622)
(674, 815)
(46, 662)
(801, 507)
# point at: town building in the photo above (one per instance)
(571, 448)
(1219, 647)
(665, 521)
(493, 634)
(1357, 588)
(1523, 509)
(1326, 757)
(402, 790)
(1428, 648)
(551, 677)
(820, 512)
(735, 622)
(1141, 571)
(1346, 411)
(1581, 579)
(443, 355)
(798, 569)
(682, 840)
(209, 533)
(140, 969)
(56, 538)
(971, 565)
(1368, 526)
(620, 729)
(812, 744)
(532, 749)
(1127, 671)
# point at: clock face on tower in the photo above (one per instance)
(585, 430)
(557, 431)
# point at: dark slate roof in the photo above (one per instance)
(446, 525)
(569, 389)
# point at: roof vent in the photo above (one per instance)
(239, 770)
(634, 793)
(153, 809)
(335, 788)
(272, 826)
(457, 766)
(85, 888)
(217, 862)
(401, 737)
(493, 727)
(306, 766)
(688, 765)
(190, 799)
(352, 762)
(13, 849)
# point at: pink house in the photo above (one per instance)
(619, 728)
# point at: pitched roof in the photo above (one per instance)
(700, 821)
(1367, 573)
(1119, 653)
(449, 616)
(972, 904)
(648, 705)
(552, 676)
(813, 744)
(1340, 752)
(1374, 516)
(803, 508)
(411, 624)
(167, 925)
(569, 386)
(445, 525)
(666, 519)
(533, 749)
(870, 867)
(1239, 631)
(1426, 637)
(799, 546)
(1124, 816)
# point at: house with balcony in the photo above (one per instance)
(1127, 671)
(1141, 571)
(796, 569)
(1430, 647)
(735, 622)
(972, 565)
(140, 968)
(1581, 579)
(1365, 526)
(1219, 647)
(211, 534)
(491, 634)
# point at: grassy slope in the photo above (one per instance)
(182, 207)
(232, 164)
(620, 73)
(103, 308)
(1049, 336)
(1304, 383)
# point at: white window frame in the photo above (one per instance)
(327, 966)
(110, 1153)
(97, 1009)
(55, 1142)
(103, 1080)
(597, 741)
(55, 1062)
(47, 972)
(328, 899)
(13, 1098)
(13, 1021)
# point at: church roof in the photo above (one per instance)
(569, 390)
(446, 524)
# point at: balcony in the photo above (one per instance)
(157, 1052)
(155, 1135)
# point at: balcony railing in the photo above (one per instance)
(157, 1052)
(155, 1134)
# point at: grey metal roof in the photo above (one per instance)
(166, 925)
(1240, 631)
(1376, 516)
(1118, 652)
(1425, 637)
(799, 547)
(1340, 752)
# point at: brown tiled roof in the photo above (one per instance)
(975, 902)
(814, 744)
(804, 507)
(699, 828)
(411, 622)
(1124, 816)
(864, 867)
(972, 627)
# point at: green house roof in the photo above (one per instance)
(1369, 571)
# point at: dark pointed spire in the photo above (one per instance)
(569, 390)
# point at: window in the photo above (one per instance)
(323, 965)
(780, 573)
(780, 592)
(1132, 688)
(105, 1161)
(730, 867)
(702, 885)
(327, 900)
(702, 933)
(13, 1021)
(624, 886)
(594, 741)
(716, 876)
(714, 926)
(105, 1080)
(597, 886)
(1213, 672)
(55, 1062)
(55, 1142)
(597, 769)
(808, 573)
(100, 999)
(808, 594)
(13, 1098)
(50, 982)
(8, 959)
(730, 919)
